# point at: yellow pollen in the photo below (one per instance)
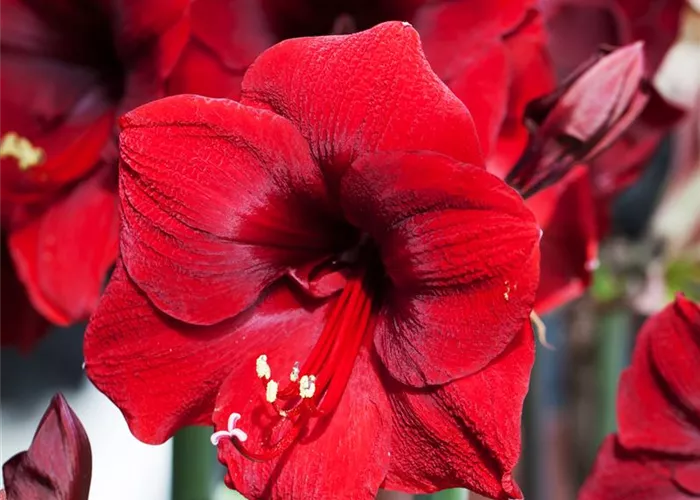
(271, 391)
(21, 149)
(307, 386)
(506, 294)
(294, 376)
(262, 369)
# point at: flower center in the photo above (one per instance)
(314, 389)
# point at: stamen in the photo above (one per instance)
(307, 386)
(262, 368)
(21, 149)
(294, 376)
(326, 372)
(271, 391)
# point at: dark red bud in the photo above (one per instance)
(583, 117)
(57, 465)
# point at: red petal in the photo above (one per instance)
(531, 77)
(675, 351)
(63, 256)
(620, 475)
(58, 464)
(233, 32)
(199, 72)
(461, 251)
(345, 453)
(218, 201)
(483, 86)
(22, 326)
(164, 374)
(653, 392)
(686, 475)
(569, 243)
(465, 434)
(356, 94)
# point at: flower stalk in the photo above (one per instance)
(193, 464)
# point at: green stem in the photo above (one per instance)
(193, 464)
(612, 357)
(453, 494)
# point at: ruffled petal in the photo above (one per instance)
(62, 256)
(346, 453)
(57, 465)
(675, 351)
(466, 433)
(219, 199)
(164, 374)
(357, 94)
(620, 475)
(461, 252)
(650, 406)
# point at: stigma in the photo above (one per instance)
(20, 148)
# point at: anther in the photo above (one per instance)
(262, 369)
(271, 391)
(21, 149)
(307, 386)
(294, 376)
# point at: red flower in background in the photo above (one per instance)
(656, 452)
(328, 266)
(68, 70)
(57, 465)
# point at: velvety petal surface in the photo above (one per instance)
(466, 433)
(661, 389)
(461, 252)
(220, 198)
(62, 257)
(620, 475)
(164, 374)
(57, 465)
(346, 453)
(357, 94)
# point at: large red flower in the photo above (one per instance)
(57, 465)
(328, 272)
(68, 69)
(656, 451)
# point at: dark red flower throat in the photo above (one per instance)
(314, 388)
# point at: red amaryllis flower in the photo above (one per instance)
(328, 272)
(67, 70)
(57, 465)
(656, 451)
